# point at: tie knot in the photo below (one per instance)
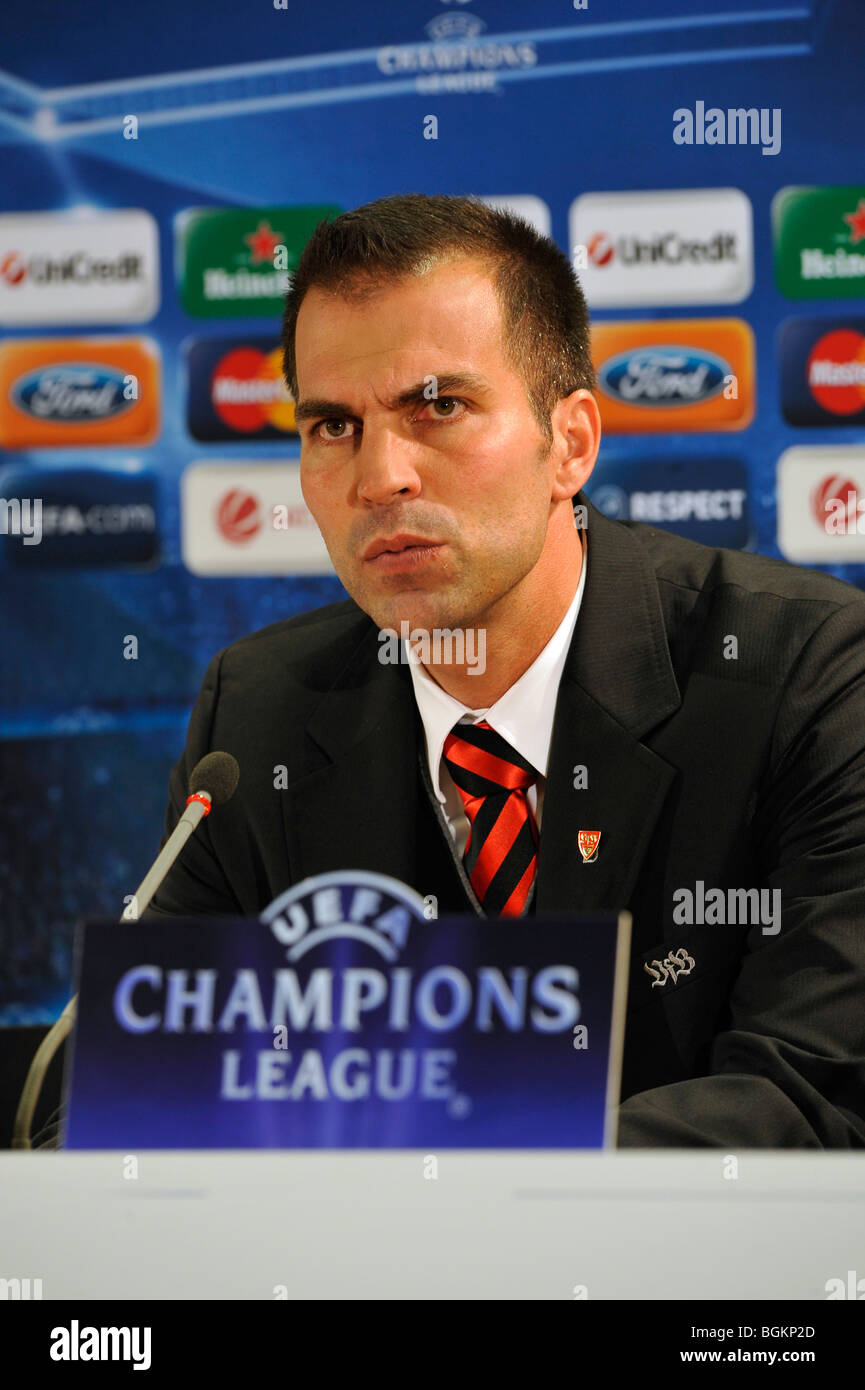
(481, 762)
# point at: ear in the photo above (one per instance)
(576, 425)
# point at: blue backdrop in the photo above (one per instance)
(261, 107)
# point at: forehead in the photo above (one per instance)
(451, 312)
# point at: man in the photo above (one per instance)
(703, 709)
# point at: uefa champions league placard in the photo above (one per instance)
(347, 1018)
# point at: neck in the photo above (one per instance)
(514, 633)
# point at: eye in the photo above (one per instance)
(440, 401)
(334, 438)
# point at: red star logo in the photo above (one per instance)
(262, 243)
(856, 222)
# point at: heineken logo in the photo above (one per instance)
(244, 284)
(262, 243)
(237, 262)
(819, 236)
(838, 264)
(856, 222)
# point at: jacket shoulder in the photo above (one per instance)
(772, 608)
(308, 649)
(690, 565)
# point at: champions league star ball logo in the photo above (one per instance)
(375, 911)
(358, 906)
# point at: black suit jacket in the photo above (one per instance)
(717, 701)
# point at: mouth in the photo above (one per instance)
(399, 552)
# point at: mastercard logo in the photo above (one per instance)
(836, 371)
(248, 391)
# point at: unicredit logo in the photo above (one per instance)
(238, 516)
(600, 249)
(667, 248)
(78, 268)
(12, 269)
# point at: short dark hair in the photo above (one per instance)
(545, 322)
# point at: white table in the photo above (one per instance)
(491, 1225)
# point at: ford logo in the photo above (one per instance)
(72, 391)
(664, 376)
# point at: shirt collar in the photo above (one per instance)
(523, 714)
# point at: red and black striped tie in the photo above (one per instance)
(501, 853)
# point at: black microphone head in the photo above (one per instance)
(218, 775)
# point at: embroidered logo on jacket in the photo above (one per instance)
(673, 965)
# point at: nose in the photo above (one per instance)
(384, 465)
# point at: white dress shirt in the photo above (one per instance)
(523, 716)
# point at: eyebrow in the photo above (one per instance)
(447, 383)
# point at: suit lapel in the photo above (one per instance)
(357, 811)
(618, 683)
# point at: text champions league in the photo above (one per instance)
(328, 1000)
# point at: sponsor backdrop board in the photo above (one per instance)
(152, 210)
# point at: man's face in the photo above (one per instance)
(467, 472)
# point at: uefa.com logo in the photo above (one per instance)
(82, 517)
(21, 516)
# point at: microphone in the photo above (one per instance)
(213, 782)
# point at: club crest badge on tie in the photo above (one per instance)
(587, 843)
